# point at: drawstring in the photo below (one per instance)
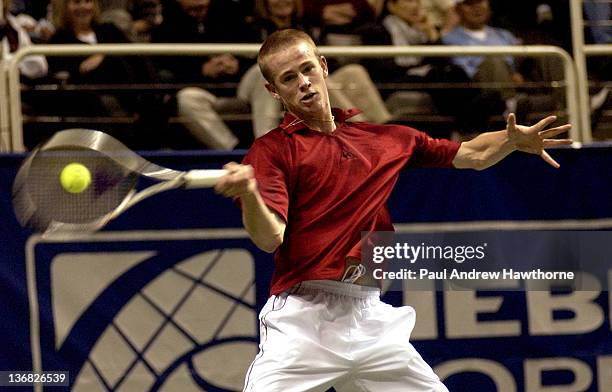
(353, 272)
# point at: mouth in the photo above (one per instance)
(82, 14)
(308, 97)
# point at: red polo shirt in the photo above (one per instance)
(330, 188)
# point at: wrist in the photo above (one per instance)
(509, 143)
(250, 194)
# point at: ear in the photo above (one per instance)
(272, 91)
(323, 62)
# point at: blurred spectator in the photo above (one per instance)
(13, 37)
(39, 26)
(473, 29)
(474, 17)
(342, 13)
(441, 14)
(136, 18)
(146, 15)
(535, 22)
(599, 15)
(203, 21)
(337, 22)
(272, 15)
(405, 23)
(35, 8)
(77, 23)
(599, 18)
(115, 12)
(15, 6)
(31, 68)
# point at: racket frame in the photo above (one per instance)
(111, 148)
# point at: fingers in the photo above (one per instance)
(543, 123)
(556, 142)
(536, 138)
(549, 159)
(232, 166)
(239, 180)
(555, 131)
(511, 122)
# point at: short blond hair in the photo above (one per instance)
(277, 41)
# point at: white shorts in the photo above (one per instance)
(323, 334)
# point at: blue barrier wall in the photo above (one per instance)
(166, 297)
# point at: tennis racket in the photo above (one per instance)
(43, 204)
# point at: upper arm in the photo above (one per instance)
(281, 223)
(271, 168)
(430, 152)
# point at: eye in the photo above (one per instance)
(288, 78)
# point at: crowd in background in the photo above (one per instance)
(209, 87)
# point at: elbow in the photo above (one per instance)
(269, 245)
(474, 164)
(268, 249)
(479, 164)
(468, 158)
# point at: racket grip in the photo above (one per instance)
(203, 178)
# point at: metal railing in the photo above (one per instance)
(5, 133)
(581, 68)
(15, 137)
(581, 51)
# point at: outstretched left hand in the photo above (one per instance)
(536, 138)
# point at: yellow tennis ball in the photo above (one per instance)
(75, 178)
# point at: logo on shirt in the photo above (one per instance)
(347, 155)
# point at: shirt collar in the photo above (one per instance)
(291, 123)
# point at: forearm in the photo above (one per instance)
(264, 227)
(484, 151)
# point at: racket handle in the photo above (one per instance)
(203, 178)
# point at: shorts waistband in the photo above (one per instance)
(339, 288)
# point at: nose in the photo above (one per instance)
(304, 82)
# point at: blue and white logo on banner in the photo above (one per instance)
(145, 311)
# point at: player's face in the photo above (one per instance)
(80, 12)
(475, 14)
(298, 80)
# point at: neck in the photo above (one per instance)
(474, 27)
(324, 125)
(82, 29)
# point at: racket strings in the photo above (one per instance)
(110, 184)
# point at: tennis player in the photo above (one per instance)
(307, 190)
